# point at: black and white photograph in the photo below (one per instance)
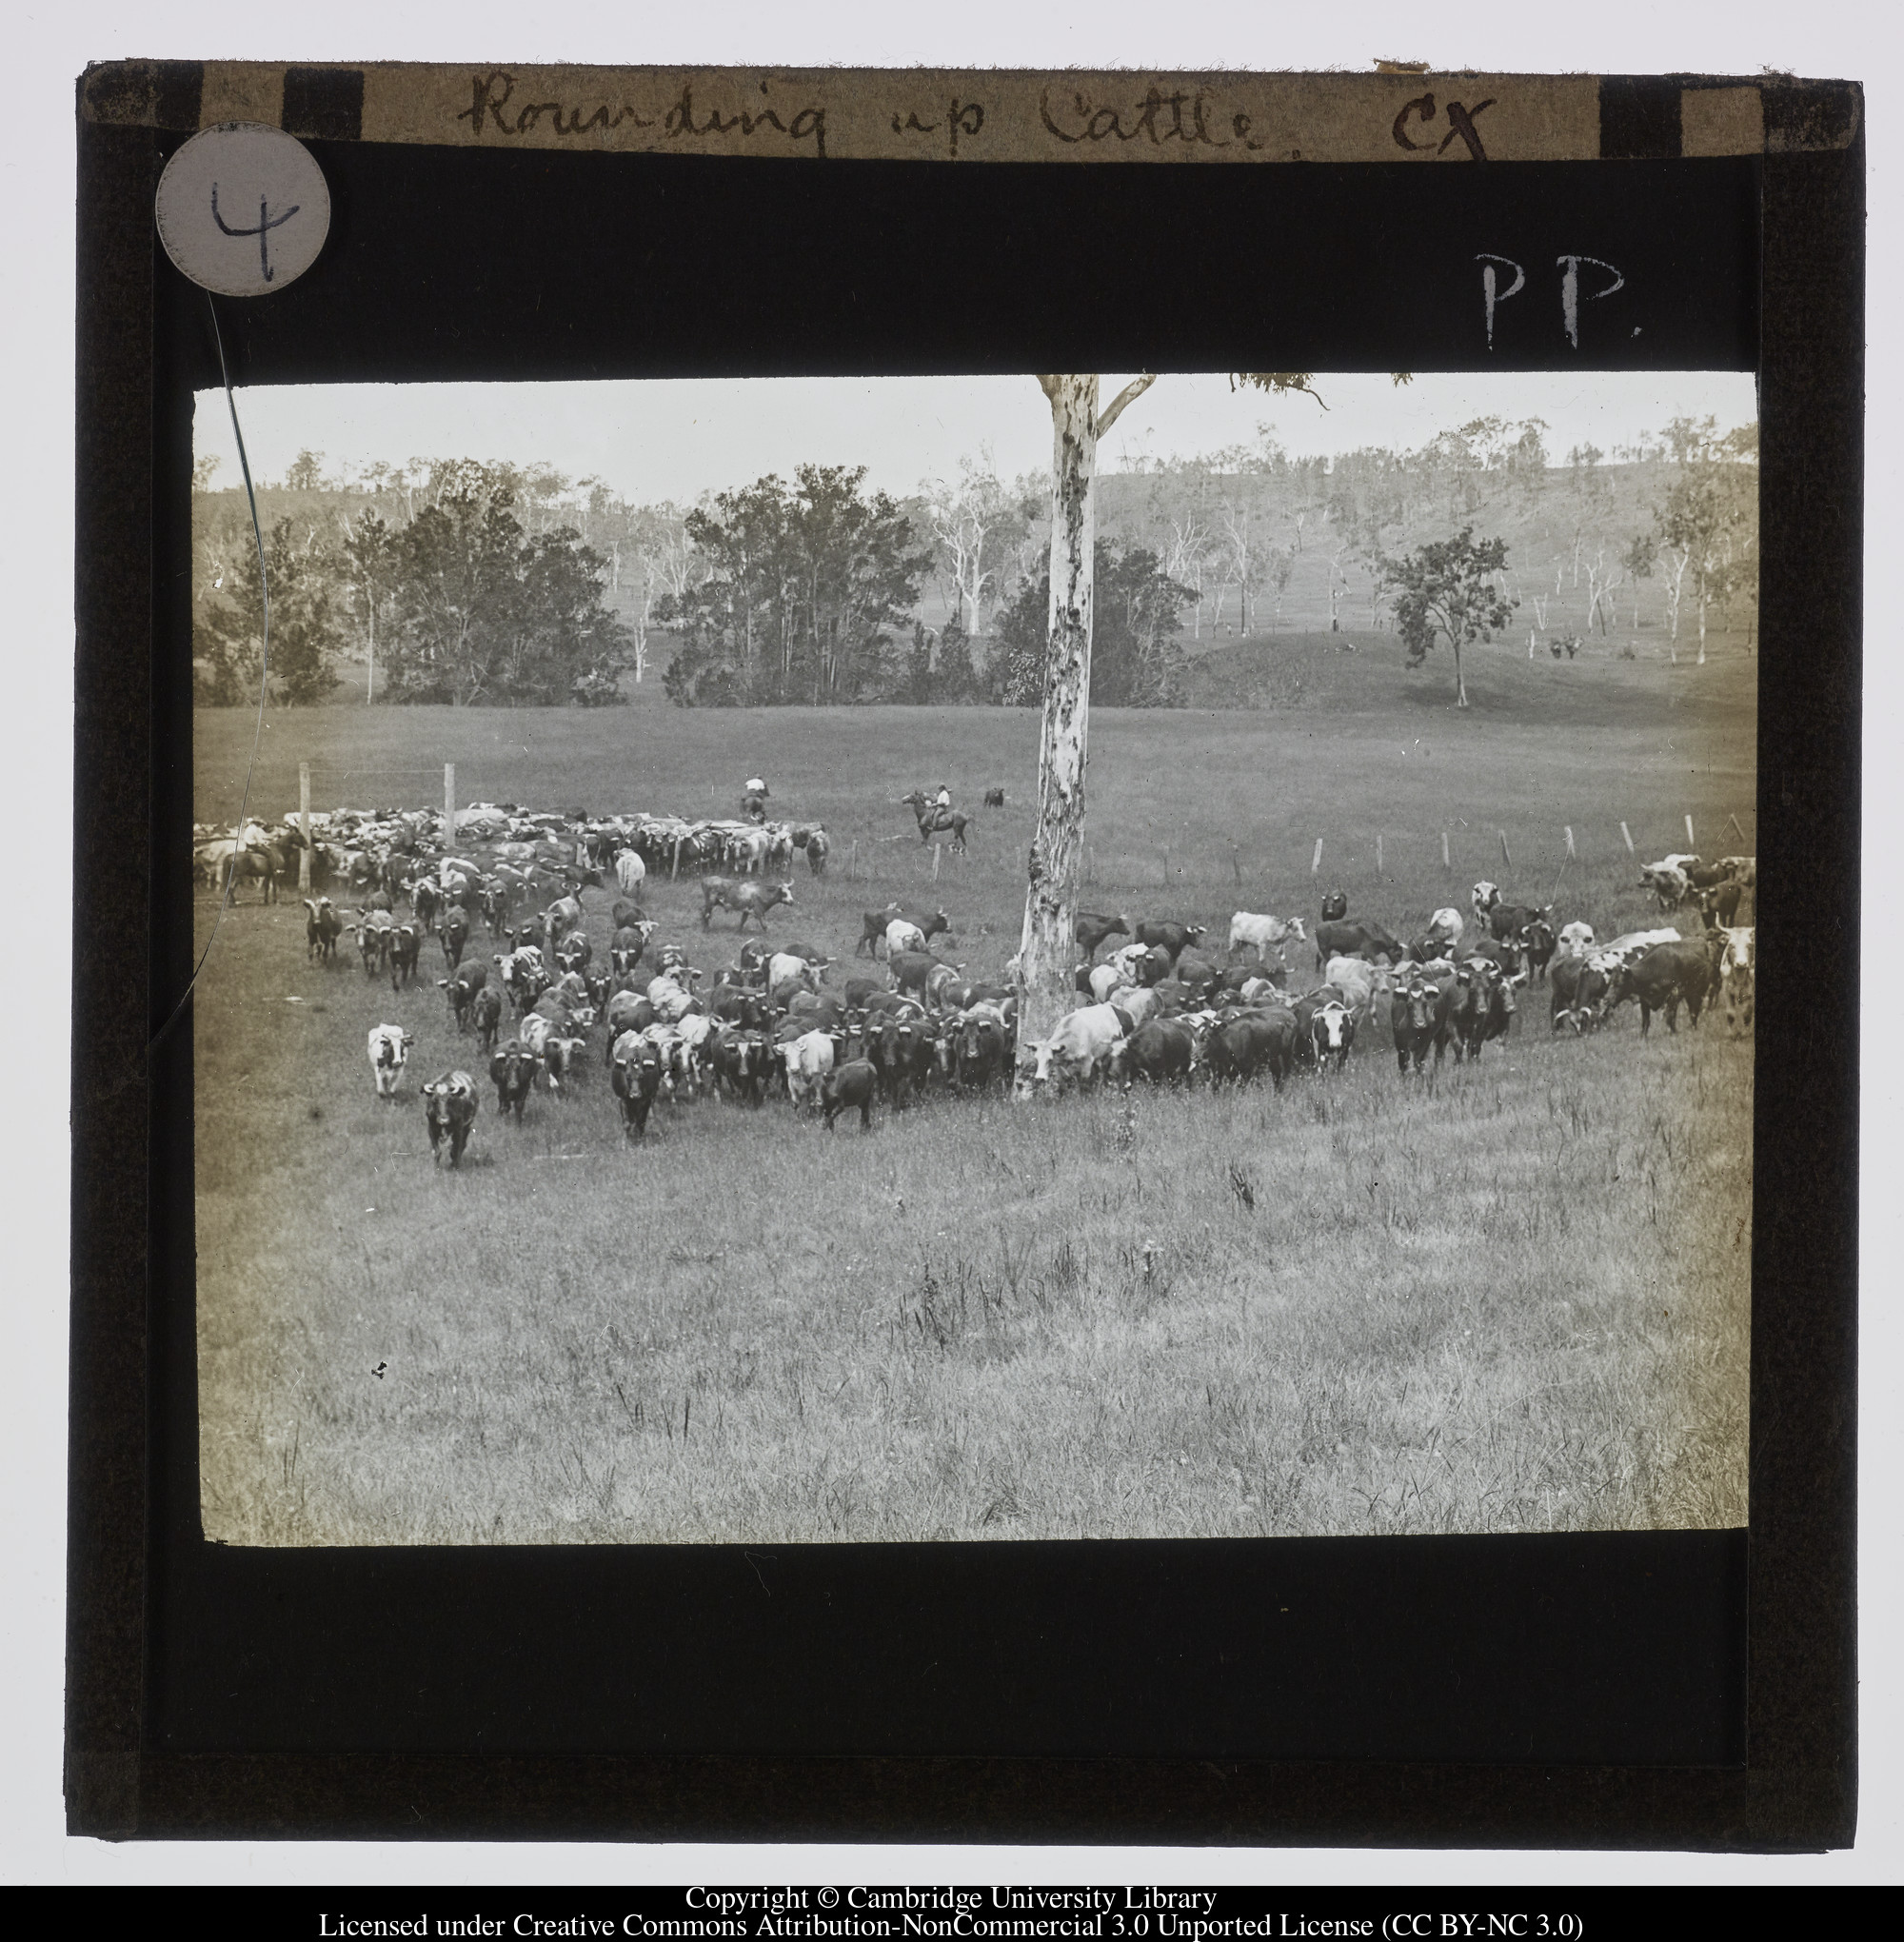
(975, 957)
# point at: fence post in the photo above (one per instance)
(1690, 839)
(938, 851)
(448, 823)
(1504, 856)
(1237, 866)
(1570, 838)
(1445, 864)
(1628, 834)
(853, 863)
(1377, 856)
(674, 868)
(304, 820)
(1166, 863)
(1316, 862)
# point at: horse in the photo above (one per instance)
(932, 819)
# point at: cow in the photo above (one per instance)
(1576, 940)
(449, 1111)
(994, 797)
(494, 904)
(1082, 1042)
(372, 935)
(512, 1071)
(1165, 935)
(562, 1060)
(1579, 989)
(980, 1044)
(1252, 1041)
(627, 945)
(873, 930)
(1482, 899)
(405, 945)
(846, 1087)
(1482, 1010)
(575, 951)
(426, 900)
(389, 1050)
(1357, 980)
(1443, 933)
(322, 928)
(454, 935)
(1091, 927)
(741, 1065)
(629, 871)
(910, 970)
(1199, 975)
(1740, 975)
(562, 917)
(625, 913)
(1357, 939)
(462, 986)
(485, 1014)
(1420, 1015)
(1744, 870)
(1668, 883)
(808, 1059)
(1335, 906)
(1159, 1051)
(523, 976)
(816, 846)
(1260, 932)
(1719, 905)
(1332, 1030)
(1659, 979)
(1103, 981)
(638, 1069)
(902, 935)
(750, 899)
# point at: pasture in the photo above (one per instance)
(1514, 1296)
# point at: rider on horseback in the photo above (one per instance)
(944, 799)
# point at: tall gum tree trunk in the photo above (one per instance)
(1047, 945)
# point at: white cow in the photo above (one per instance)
(1136, 1002)
(1106, 980)
(1624, 949)
(1667, 881)
(786, 967)
(629, 871)
(1083, 1040)
(1446, 927)
(1128, 961)
(1739, 949)
(1482, 899)
(808, 1059)
(534, 1032)
(390, 1051)
(1247, 927)
(1577, 941)
(902, 935)
(1357, 980)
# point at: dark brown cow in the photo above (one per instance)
(1659, 979)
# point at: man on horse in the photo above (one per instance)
(754, 800)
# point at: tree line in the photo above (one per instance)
(456, 581)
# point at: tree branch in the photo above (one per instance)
(1129, 395)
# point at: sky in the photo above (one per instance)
(674, 439)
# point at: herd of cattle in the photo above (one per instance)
(1167, 1004)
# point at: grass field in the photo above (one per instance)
(1515, 1297)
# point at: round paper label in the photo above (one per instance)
(243, 209)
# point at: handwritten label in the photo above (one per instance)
(243, 209)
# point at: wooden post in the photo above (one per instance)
(853, 863)
(1570, 838)
(1377, 856)
(1628, 834)
(1504, 857)
(1316, 862)
(1731, 823)
(304, 820)
(1445, 864)
(674, 868)
(448, 824)
(1236, 865)
(938, 851)
(1690, 839)
(1166, 862)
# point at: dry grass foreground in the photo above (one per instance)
(1514, 1298)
